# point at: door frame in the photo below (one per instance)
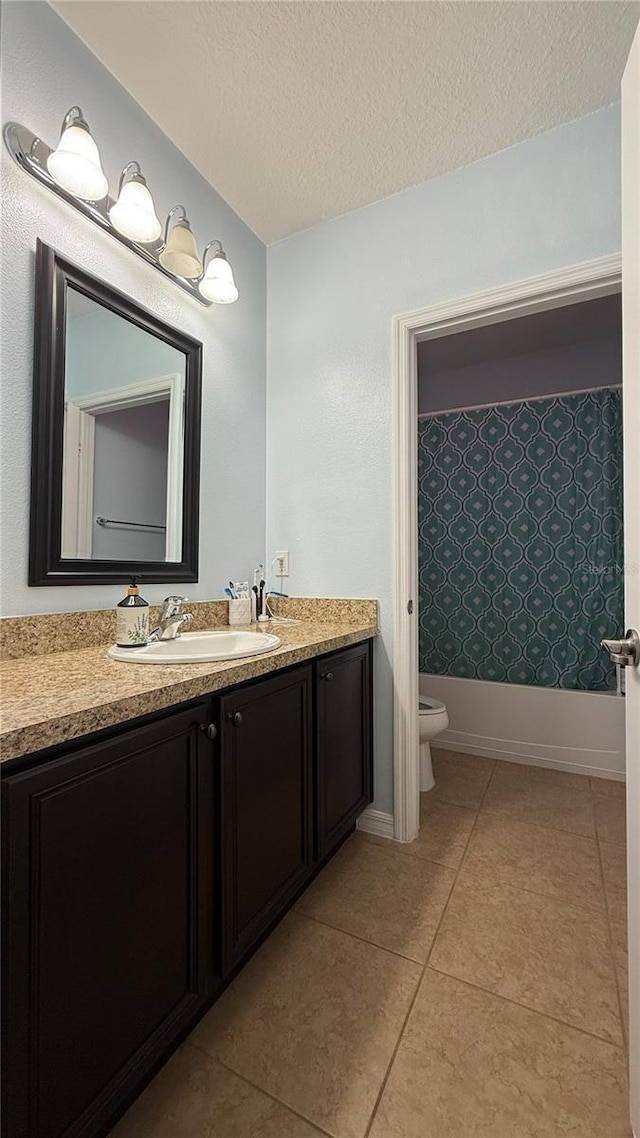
(79, 452)
(587, 280)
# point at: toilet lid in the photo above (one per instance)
(429, 705)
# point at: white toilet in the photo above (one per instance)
(432, 719)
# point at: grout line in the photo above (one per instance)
(392, 1060)
(261, 1090)
(362, 939)
(527, 1008)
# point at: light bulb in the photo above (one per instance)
(75, 163)
(218, 284)
(134, 213)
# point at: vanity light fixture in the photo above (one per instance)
(180, 253)
(73, 172)
(75, 162)
(217, 283)
(134, 213)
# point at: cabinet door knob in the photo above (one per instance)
(235, 717)
(209, 729)
(328, 676)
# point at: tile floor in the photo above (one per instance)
(470, 984)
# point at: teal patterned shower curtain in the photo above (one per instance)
(520, 541)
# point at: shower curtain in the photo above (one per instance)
(520, 540)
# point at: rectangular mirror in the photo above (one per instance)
(116, 436)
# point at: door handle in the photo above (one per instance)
(328, 676)
(209, 729)
(625, 652)
(235, 717)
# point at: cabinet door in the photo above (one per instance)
(266, 804)
(343, 741)
(108, 934)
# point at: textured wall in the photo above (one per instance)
(46, 69)
(333, 291)
(103, 351)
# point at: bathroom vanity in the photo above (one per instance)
(146, 861)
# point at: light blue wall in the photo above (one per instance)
(103, 350)
(46, 69)
(548, 202)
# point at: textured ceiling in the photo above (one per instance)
(300, 111)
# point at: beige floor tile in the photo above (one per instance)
(614, 869)
(564, 866)
(313, 1019)
(378, 894)
(608, 788)
(548, 775)
(460, 779)
(621, 958)
(535, 950)
(611, 819)
(622, 974)
(541, 797)
(194, 1097)
(444, 833)
(473, 1066)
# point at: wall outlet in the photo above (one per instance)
(281, 563)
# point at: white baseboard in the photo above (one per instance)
(377, 822)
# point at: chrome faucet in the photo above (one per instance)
(171, 618)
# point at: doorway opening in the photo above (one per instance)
(123, 472)
(552, 302)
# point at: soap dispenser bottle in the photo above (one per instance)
(132, 618)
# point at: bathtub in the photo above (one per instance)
(547, 727)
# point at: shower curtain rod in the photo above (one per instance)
(510, 402)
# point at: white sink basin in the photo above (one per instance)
(198, 648)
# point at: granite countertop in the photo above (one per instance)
(53, 698)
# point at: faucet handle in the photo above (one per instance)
(171, 605)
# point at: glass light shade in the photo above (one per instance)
(180, 254)
(75, 165)
(218, 284)
(134, 213)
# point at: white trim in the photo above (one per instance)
(376, 822)
(77, 488)
(135, 395)
(555, 289)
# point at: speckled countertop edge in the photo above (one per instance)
(48, 700)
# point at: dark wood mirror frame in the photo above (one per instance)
(46, 564)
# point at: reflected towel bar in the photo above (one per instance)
(138, 525)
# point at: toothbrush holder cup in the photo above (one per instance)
(240, 612)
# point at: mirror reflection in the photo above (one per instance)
(123, 438)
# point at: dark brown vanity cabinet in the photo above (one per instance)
(344, 759)
(109, 904)
(267, 819)
(143, 866)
